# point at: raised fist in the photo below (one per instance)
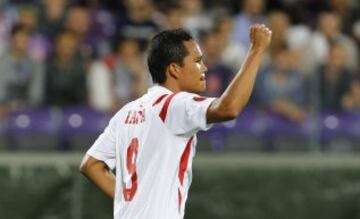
(260, 36)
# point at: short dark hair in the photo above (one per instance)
(19, 28)
(165, 48)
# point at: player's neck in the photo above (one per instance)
(174, 87)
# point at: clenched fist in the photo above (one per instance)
(260, 37)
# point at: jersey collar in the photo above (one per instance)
(159, 88)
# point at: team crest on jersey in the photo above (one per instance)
(199, 99)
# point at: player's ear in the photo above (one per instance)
(174, 70)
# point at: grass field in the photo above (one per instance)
(230, 186)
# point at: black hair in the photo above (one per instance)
(64, 31)
(165, 48)
(118, 43)
(205, 34)
(18, 28)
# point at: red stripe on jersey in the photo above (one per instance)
(184, 161)
(165, 107)
(159, 99)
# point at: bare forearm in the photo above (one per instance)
(104, 181)
(237, 94)
(98, 173)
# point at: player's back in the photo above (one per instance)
(152, 141)
(150, 158)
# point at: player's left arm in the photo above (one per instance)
(99, 173)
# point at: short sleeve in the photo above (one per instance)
(104, 148)
(185, 113)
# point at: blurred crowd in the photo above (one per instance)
(93, 52)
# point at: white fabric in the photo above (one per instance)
(160, 148)
(233, 55)
(321, 48)
(99, 85)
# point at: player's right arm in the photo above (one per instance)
(99, 174)
(99, 160)
(229, 105)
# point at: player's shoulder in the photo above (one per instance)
(172, 99)
(184, 96)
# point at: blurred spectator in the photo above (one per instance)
(279, 24)
(218, 76)
(52, 17)
(356, 34)
(356, 31)
(351, 101)
(314, 50)
(348, 11)
(39, 44)
(282, 89)
(329, 32)
(296, 37)
(21, 78)
(251, 13)
(174, 17)
(65, 73)
(102, 30)
(6, 22)
(118, 78)
(333, 79)
(78, 22)
(196, 20)
(224, 42)
(232, 53)
(137, 22)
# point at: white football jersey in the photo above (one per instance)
(151, 143)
